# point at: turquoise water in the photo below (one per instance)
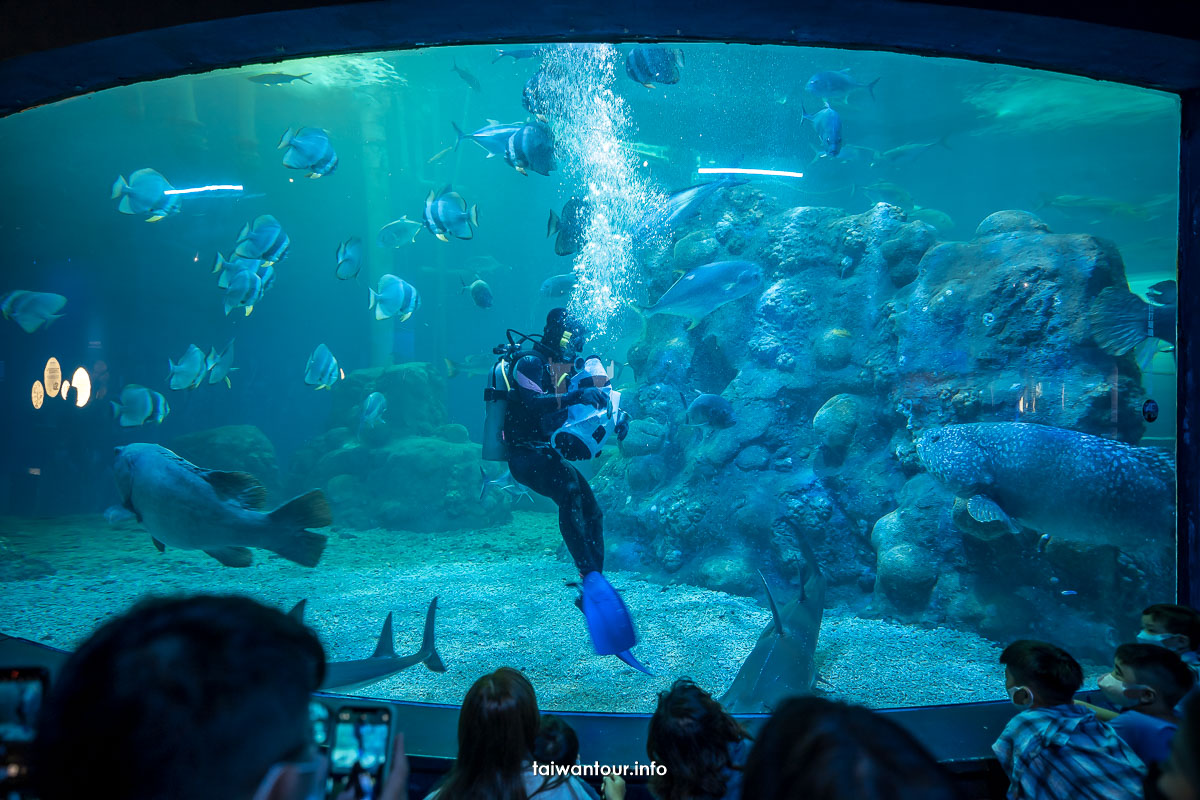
(849, 306)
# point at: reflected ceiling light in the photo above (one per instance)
(66, 386)
(39, 394)
(747, 171)
(216, 187)
(52, 377)
(83, 387)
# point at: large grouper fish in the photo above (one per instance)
(191, 508)
(1063, 483)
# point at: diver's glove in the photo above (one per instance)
(621, 429)
(590, 395)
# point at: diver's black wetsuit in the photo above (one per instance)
(536, 407)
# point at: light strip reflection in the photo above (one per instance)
(223, 187)
(748, 171)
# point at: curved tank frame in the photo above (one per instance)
(82, 54)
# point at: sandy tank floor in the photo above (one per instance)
(503, 601)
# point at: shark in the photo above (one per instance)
(349, 676)
(783, 661)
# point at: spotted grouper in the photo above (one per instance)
(1060, 482)
(191, 508)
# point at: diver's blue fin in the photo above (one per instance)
(608, 620)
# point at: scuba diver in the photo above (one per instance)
(547, 406)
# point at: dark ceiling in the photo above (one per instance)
(57, 48)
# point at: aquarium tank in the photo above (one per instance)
(884, 375)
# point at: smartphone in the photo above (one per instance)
(22, 690)
(359, 751)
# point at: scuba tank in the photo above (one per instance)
(495, 395)
(495, 399)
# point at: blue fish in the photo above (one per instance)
(145, 194)
(245, 290)
(308, 149)
(349, 259)
(706, 288)
(481, 293)
(222, 365)
(322, 369)
(649, 64)
(839, 85)
(570, 228)
(828, 126)
(189, 372)
(263, 240)
(711, 409)
(140, 405)
(446, 213)
(32, 310)
(395, 298)
(228, 267)
(531, 147)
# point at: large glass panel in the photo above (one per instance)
(924, 391)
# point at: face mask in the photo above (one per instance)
(1172, 641)
(1114, 691)
(1012, 695)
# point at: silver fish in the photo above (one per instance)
(349, 258)
(402, 231)
(322, 370)
(189, 372)
(1070, 485)
(446, 213)
(222, 365)
(264, 240)
(32, 310)
(493, 137)
(678, 208)
(516, 54)
(190, 508)
(468, 78)
(395, 298)
(277, 78)
(837, 85)
(145, 194)
(706, 288)
(308, 149)
(373, 409)
(558, 285)
(140, 405)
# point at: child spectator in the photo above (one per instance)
(816, 749)
(1147, 682)
(1181, 775)
(1055, 749)
(702, 747)
(557, 745)
(1176, 628)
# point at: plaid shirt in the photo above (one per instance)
(1065, 752)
